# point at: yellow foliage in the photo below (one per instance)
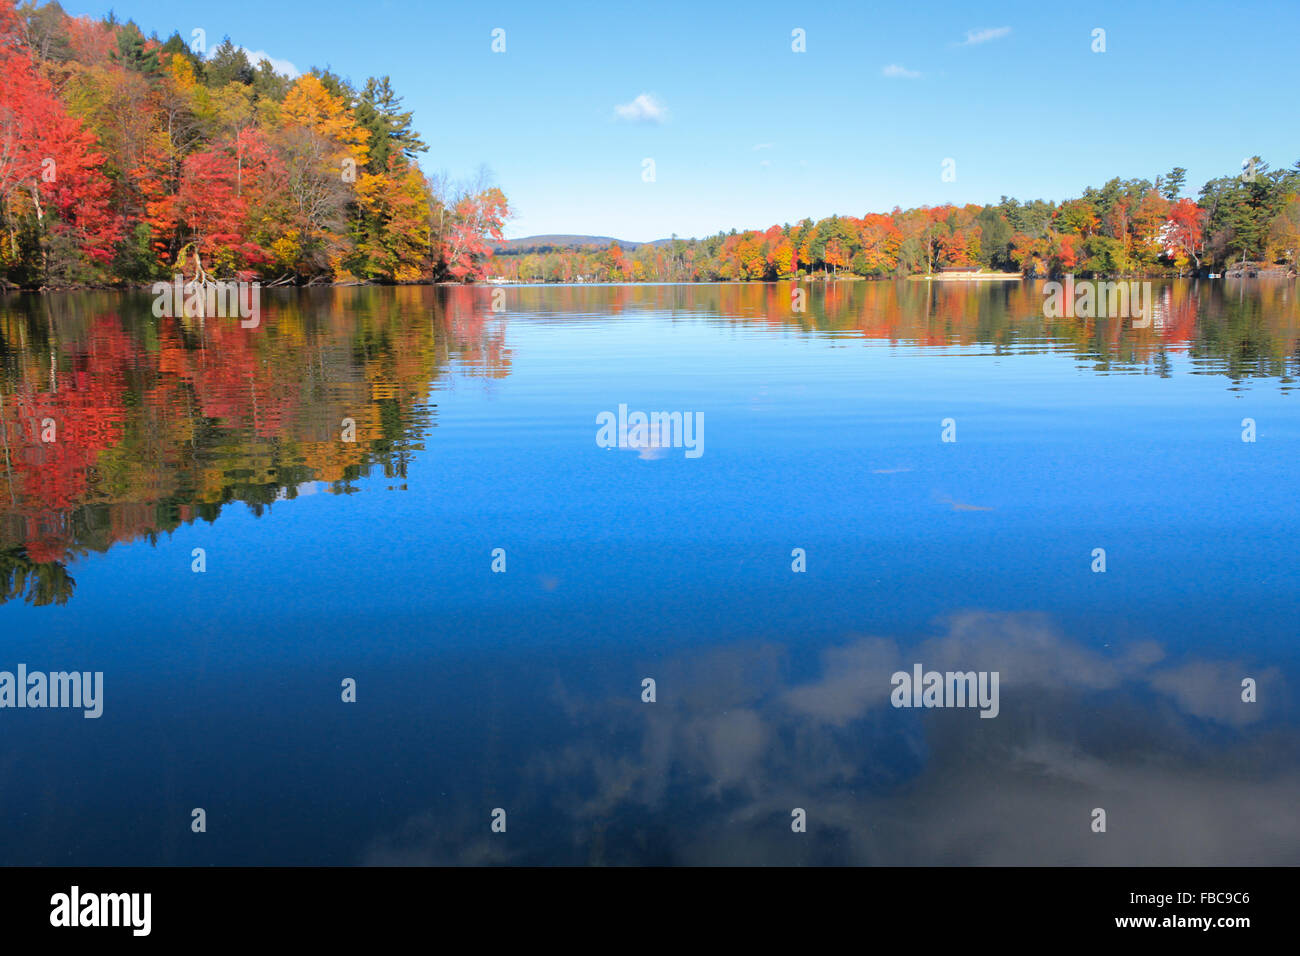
(335, 255)
(310, 105)
(232, 106)
(182, 73)
(287, 248)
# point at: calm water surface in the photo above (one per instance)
(476, 430)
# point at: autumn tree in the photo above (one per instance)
(52, 187)
(394, 229)
(463, 225)
(1284, 232)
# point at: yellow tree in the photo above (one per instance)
(311, 106)
(324, 151)
(1284, 232)
(395, 223)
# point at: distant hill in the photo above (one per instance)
(548, 243)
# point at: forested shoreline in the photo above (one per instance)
(127, 159)
(1248, 221)
(124, 157)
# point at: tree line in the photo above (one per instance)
(1128, 227)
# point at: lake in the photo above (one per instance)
(400, 495)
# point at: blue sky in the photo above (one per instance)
(753, 133)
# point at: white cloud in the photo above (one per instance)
(899, 72)
(974, 37)
(762, 146)
(646, 108)
(280, 66)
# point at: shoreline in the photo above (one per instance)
(483, 284)
(969, 277)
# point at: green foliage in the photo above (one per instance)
(135, 261)
(1243, 208)
(1173, 182)
(995, 239)
(133, 51)
(228, 64)
(391, 128)
(267, 84)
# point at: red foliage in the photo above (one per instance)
(48, 153)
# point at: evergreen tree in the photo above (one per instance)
(133, 50)
(391, 133)
(267, 84)
(228, 64)
(1173, 182)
